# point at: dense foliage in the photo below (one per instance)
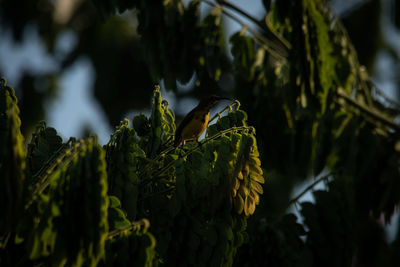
(80, 204)
(139, 201)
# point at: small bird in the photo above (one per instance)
(196, 121)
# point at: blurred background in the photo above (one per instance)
(82, 72)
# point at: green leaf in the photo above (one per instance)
(141, 125)
(77, 192)
(132, 249)
(124, 157)
(116, 217)
(114, 202)
(243, 51)
(331, 221)
(45, 146)
(12, 161)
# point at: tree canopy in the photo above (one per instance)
(306, 110)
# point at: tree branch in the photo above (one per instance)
(237, 103)
(133, 226)
(369, 110)
(166, 167)
(265, 26)
(323, 178)
(69, 153)
(261, 40)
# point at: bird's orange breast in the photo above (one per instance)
(195, 128)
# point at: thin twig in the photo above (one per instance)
(52, 158)
(44, 181)
(169, 149)
(265, 27)
(134, 225)
(237, 103)
(164, 152)
(294, 200)
(369, 110)
(190, 151)
(166, 167)
(261, 40)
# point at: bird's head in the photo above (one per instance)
(210, 101)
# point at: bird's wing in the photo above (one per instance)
(183, 123)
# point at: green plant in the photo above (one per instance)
(84, 204)
(319, 120)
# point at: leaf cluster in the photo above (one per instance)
(82, 204)
(319, 112)
(61, 214)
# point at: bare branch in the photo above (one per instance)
(311, 186)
